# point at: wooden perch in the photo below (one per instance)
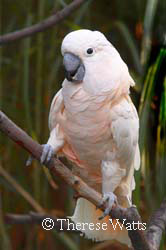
(43, 25)
(141, 240)
(36, 218)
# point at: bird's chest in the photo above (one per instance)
(87, 127)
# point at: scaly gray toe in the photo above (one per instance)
(46, 154)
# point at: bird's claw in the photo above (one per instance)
(29, 161)
(103, 203)
(47, 154)
(109, 199)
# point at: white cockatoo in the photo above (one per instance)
(95, 125)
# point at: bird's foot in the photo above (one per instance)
(109, 200)
(46, 156)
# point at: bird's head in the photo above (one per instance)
(89, 58)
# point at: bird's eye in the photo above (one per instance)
(89, 51)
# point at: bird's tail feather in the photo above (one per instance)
(86, 217)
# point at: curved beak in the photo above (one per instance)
(74, 68)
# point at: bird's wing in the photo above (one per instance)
(125, 130)
(56, 139)
(57, 107)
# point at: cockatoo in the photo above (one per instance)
(95, 125)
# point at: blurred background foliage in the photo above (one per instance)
(31, 73)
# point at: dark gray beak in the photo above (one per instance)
(74, 68)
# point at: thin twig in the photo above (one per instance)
(5, 241)
(60, 225)
(20, 190)
(43, 25)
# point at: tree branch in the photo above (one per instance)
(43, 25)
(140, 240)
(60, 225)
(157, 225)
